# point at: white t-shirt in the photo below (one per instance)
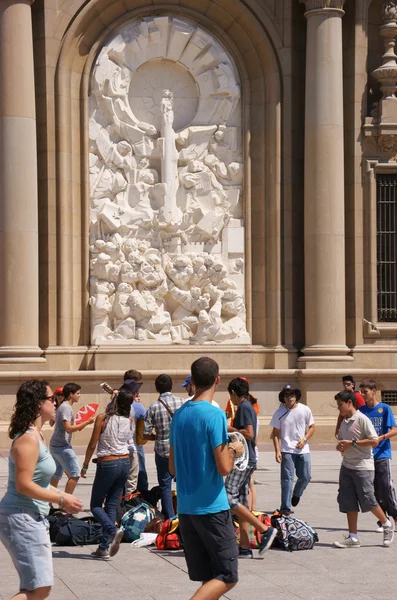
(293, 424)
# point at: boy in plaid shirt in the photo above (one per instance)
(237, 482)
(159, 417)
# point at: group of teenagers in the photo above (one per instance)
(191, 445)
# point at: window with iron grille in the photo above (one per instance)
(389, 397)
(386, 217)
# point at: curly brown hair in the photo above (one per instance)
(27, 407)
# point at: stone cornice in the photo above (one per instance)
(312, 5)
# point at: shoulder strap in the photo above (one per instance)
(166, 407)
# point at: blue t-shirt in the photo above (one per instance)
(196, 429)
(139, 410)
(382, 419)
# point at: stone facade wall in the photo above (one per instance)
(304, 308)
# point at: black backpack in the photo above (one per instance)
(67, 530)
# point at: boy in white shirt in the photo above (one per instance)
(293, 426)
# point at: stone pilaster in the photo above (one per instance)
(325, 315)
(18, 187)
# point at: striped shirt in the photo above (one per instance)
(158, 418)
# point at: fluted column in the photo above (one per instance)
(19, 273)
(325, 319)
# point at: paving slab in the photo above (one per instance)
(324, 573)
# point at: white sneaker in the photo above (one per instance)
(388, 535)
(348, 542)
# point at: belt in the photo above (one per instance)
(112, 457)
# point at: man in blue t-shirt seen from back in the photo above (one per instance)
(200, 457)
(382, 419)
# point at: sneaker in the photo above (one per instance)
(286, 512)
(388, 535)
(267, 538)
(295, 500)
(347, 543)
(115, 544)
(379, 529)
(243, 553)
(101, 554)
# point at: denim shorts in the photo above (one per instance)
(26, 537)
(65, 460)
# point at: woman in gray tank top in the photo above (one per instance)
(112, 433)
(24, 508)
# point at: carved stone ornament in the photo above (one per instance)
(321, 4)
(166, 188)
(389, 10)
(386, 74)
(388, 144)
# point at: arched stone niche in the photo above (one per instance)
(249, 46)
(166, 188)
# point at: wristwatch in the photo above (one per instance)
(354, 443)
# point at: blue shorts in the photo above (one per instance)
(65, 460)
(26, 537)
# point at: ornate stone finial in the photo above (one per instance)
(322, 4)
(389, 10)
(386, 74)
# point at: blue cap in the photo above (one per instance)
(187, 381)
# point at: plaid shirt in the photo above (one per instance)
(158, 417)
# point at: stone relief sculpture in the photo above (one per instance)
(166, 175)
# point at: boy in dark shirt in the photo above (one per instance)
(237, 482)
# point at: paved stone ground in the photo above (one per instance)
(324, 573)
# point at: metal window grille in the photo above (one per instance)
(389, 397)
(386, 212)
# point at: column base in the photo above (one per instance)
(20, 355)
(325, 357)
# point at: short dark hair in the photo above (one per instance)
(133, 374)
(349, 378)
(70, 388)
(368, 383)
(239, 386)
(163, 383)
(345, 396)
(204, 372)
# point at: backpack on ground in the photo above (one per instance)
(131, 500)
(67, 530)
(169, 537)
(135, 520)
(293, 534)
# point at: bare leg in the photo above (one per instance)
(252, 495)
(71, 484)
(212, 590)
(352, 519)
(245, 518)
(379, 514)
(38, 594)
(54, 482)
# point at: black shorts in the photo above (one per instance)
(210, 546)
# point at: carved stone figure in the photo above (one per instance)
(166, 181)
